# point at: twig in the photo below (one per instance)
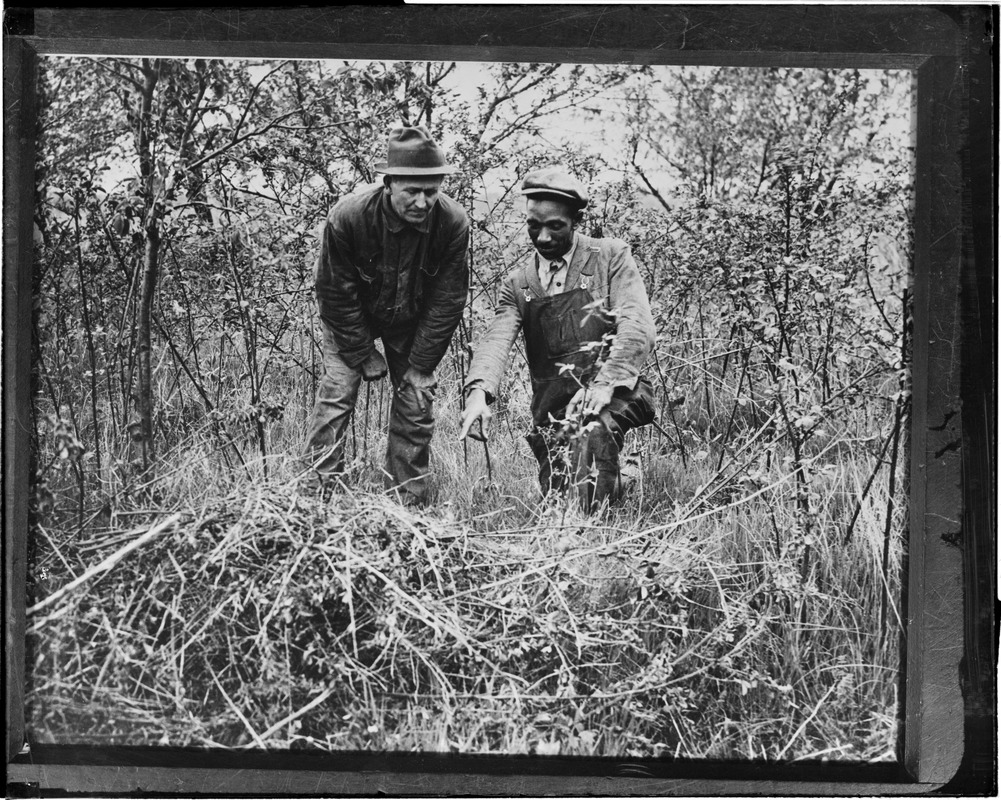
(232, 705)
(486, 453)
(295, 715)
(805, 722)
(55, 549)
(236, 140)
(105, 565)
(868, 483)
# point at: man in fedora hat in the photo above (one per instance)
(392, 266)
(583, 309)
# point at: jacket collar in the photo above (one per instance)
(580, 265)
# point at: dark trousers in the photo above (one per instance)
(584, 458)
(410, 426)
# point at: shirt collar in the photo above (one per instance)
(567, 256)
(396, 223)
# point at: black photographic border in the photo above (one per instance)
(948, 708)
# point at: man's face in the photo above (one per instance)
(414, 197)
(550, 227)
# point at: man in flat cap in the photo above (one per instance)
(582, 307)
(392, 266)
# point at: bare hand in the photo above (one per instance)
(423, 383)
(590, 401)
(475, 410)
(374, 367)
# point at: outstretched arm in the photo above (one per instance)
(492, 351)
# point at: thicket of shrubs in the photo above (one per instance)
(743, 601)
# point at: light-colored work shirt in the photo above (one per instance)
(553, 274)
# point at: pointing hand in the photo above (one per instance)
(476, 410)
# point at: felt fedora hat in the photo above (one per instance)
(412, 151)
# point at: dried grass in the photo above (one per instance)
(277, 618)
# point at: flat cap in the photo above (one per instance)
(556, 182)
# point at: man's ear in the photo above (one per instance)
(387, 182)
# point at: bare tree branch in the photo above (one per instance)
(234, 142)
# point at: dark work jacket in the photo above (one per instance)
(376, 271)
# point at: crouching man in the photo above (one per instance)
(584, 312)
(392, 266)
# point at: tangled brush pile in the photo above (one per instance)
(282, 620)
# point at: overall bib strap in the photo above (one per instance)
(555, 329)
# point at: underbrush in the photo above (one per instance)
(700, 619)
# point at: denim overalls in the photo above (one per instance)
(556, 329)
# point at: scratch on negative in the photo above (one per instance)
(946, 519)
(949, 232)
(597, 22)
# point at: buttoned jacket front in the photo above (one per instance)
(376, 271)
(606, 268)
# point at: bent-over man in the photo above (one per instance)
(582, 307)
(392, 266)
